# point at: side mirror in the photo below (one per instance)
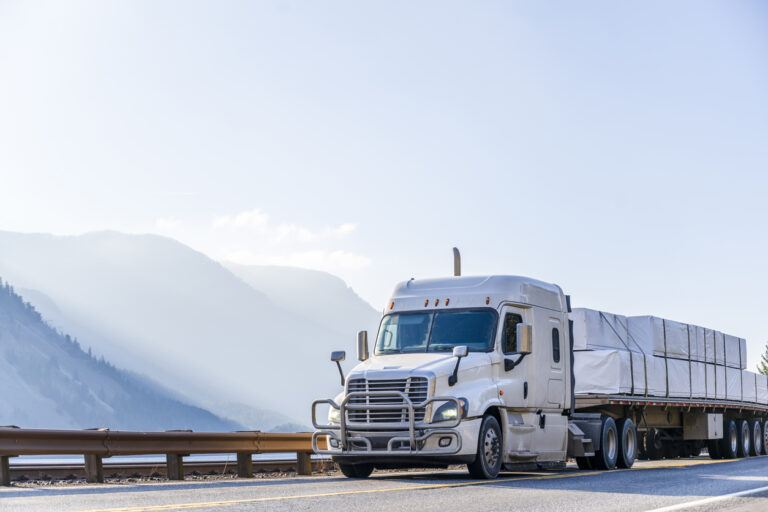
(460, 351)
(337, 356)
(362, 345)
(524, 338)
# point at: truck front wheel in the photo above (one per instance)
(356, 470)
(487, 462)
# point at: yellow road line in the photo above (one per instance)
(183, 506)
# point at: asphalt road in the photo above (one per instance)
(694, 484)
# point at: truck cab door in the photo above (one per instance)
(513, 386)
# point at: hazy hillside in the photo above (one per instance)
(48, 381)
(155, 306)
(319, 296)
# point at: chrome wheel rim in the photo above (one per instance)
(745, 435)
(734, 441)
(610, 444)
(630, 444)
(491, 447)
(758, 439)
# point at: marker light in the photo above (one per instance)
(426, 303)
(447, 301)
(391, 304)
(487, 300)
(437, 301)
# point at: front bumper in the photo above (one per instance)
(407, 438)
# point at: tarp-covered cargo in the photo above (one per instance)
(749, 386)
(599, 330)
(710, 383)
(720, 382)
(733, 383)
(762, 389)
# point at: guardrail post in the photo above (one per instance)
(303, 463)
(5, 470)
(244, 465)
(94, 470)
(175, 465)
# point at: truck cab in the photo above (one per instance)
(463, 370)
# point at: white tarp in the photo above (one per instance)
(679, 378)
(749, 386)
(601, 372)
(719, 348)
(733, 383)
(710, 384)
(709, 345)
(743, 352)
(732, 351)
(698, 376)
(648, 333)
(720, 382)
(599, 330)
(762, 389)
(698, 345)
(608, 371)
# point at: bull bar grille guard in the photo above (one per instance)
(346, 433)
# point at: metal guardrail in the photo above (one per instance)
(95, 445)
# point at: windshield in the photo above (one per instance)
(436, 331)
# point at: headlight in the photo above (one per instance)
(448, 411)
(334, 416)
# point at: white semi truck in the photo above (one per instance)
(480, 371)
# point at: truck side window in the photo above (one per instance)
(556, 345)
(509, 336)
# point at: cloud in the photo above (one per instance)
(330, 261)
(249, 219)
(259, 222)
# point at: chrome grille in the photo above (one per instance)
(415, 388)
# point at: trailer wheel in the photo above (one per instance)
(356, 470)
(745, 436)
(627, 443)
(756, 431)
(641, 453)
(606, 455)
(654, 446)
(713, 447)
(729, 444)
(765, 438)
(487, 462)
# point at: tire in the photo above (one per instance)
(606, 455)
(487, 463)
(765, 438)
(713, 447)
(729, 444)
(641, 453)
(356, 470)
(584, 463)
(745, 438)
(756, 431)
(627, 443)
(654, 446)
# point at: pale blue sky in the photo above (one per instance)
(616, 148)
